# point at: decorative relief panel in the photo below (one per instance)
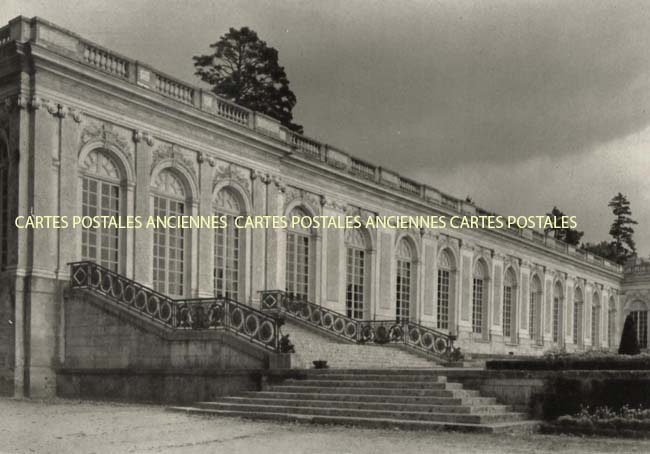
(231, 172)
(296, 194)
(175, 154)
(106, 134)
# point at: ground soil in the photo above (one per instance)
(81, 427)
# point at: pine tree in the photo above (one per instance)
(621, 230)
(570, 236)
(244, 69)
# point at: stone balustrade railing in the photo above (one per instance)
(37, 30)
(105, 61)
(174, 89)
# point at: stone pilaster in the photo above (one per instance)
(143, 238)
(276, 239)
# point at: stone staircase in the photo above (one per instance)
(312, 345)
(406, 399)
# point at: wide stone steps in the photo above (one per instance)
(385, 391)
(511, 426)
(361, 405)
(401, 398)
(366, 413)
(312, 344)
(474, 401)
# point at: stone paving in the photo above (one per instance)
(74, 427)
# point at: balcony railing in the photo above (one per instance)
(225, 314)
(408, 333)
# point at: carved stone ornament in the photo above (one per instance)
(139, 136)
(230, 172)
(103, 133)
(171, 151)
(302, 195)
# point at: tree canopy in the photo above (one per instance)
(570, 236)
(622, 247)
(244, 69)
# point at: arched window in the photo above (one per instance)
(595, 320)
(479, 295)
(509, 302)
(356, 274)
(298, 259)
(578, 311)
(445, 288)
(405, 257)
(5, 221)
(558, 295)
(611, 323)
(639, 312)
(169, 199)
(227, 247)
(100, 196)
(534, 316)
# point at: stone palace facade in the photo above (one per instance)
(85, 130)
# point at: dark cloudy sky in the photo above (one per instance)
(521, 105)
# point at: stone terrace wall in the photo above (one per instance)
(99, 335)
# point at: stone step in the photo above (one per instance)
(372, 390)
(373, 383)
(364, 413)
(503, 427)
(374, 398)
(362, 405)
(377, 376)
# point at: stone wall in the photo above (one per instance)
(168, 386)
(100, 335)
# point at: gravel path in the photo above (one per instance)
(74, 427)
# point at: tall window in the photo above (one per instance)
(404, 256)
(444, 274)
(298, 258)
(578, 305)
(595, 321)
(557, 303)
(611, 324)
(534, 317)
(508, 303)
(169, 243)
(478, 297)
(641, 322)
(100, 197)
(5, 222)
(355, 274)
(227, 247)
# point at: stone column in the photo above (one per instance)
(43, 293)
(465, 290)
(205, 237)
(496, 322)
(143, 238)
(566, 315)
(523, 300)
(429, 279)
(386, 279)
(547, 314)
(276, 239)
(334, 262)
(258, 237)
(586, 316)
